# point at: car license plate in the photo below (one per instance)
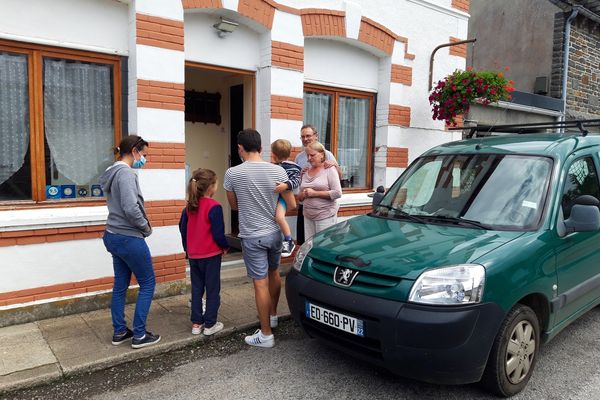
(334, 319)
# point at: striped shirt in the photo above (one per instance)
(253, 183)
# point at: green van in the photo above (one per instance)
(481, 251)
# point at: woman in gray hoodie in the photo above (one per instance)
(126, 227)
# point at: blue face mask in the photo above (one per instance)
(139, 163)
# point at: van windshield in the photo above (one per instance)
(485, 191)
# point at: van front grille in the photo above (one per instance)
(365, 279)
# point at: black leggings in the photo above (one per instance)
(300, 225)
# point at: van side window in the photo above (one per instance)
(581, 179)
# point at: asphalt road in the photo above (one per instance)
(301, 368)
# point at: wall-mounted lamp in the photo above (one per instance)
(224, 27)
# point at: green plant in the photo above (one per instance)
(454, 95)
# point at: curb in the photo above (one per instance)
(49, 373)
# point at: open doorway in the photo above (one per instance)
(219, 103)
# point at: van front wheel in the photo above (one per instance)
(514, 352)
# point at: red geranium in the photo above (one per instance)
(454, 95)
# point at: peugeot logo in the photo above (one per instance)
(344, 276)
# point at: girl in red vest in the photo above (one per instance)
(203, 237)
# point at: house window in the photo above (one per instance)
(58, 122)
(344, 120)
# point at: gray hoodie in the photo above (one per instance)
(126, 215)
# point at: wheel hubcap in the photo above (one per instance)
(520, 352)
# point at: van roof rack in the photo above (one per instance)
(537, 127)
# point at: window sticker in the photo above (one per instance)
(97, 191)
(529, 204)
(83, 191)
(67, 191)
(52, 192)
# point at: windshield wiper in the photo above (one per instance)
(460, 221)
(402, 213)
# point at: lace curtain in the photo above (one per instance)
(353, 128)
(78, 118)
(317, 112)
(14, 114)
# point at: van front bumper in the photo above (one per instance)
(438, 344)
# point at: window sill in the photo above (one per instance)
(356, 199)
(48, 218)
(30, 204)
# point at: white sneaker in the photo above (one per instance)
(274, 321)
(213, 329)
(259, 340)
(196, 329)
(288, 248)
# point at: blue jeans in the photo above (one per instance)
(130, 255)
(206, 274)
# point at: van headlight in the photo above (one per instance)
(456, 284)
(302, 253)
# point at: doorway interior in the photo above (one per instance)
(220, 102)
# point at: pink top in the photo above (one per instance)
(317, 208)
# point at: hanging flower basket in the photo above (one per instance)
(454, 95)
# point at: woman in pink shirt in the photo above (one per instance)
(319, 189)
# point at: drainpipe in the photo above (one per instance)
(566, 45)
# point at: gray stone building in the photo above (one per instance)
(528, 37)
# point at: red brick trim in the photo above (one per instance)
(166, 156)
(295, 151)
(399, 115)
(402, 74)
(407, 55)
(459, 50)
(159, 32)
(201, 4)
(164, 212)
(166, 268)
(24, 237)
(321, 22)
(287, 55)
(163, 95)
(284, 107)
(397, 157)
(354, 210)
(376, 35)
(284, 8)
(160, 213)
(260, 11)
(462, 5)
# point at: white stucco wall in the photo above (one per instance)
(46, 264)
(240, 49)
(108, 26)
(97, 25)
(334, 63)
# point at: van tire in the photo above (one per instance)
(517, 343)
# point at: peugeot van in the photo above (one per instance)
(481, 251)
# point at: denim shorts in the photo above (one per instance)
(262, 254)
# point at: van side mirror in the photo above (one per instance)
(585, 215)
(378, 195)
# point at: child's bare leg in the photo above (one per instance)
(280, 219)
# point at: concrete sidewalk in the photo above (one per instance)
(42, 351)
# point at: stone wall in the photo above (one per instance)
(583, 81)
